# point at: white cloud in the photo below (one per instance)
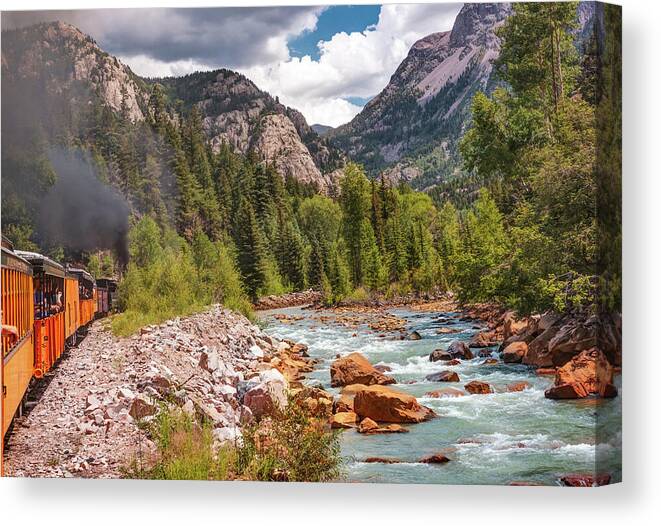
(351, 65)
(146, 66)
(174, 42)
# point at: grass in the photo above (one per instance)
(290, 446)
(169, 277)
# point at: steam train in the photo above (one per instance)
(46, 307)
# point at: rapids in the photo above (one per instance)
(492, 439)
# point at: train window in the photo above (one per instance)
(48, 292)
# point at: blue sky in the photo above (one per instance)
(335, 19)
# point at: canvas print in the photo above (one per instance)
(372, 243)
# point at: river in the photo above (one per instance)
(497, 438)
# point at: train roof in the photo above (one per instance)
(12, 260)
(81, 273)
(41, 263)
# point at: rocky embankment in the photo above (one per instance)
(582, 351)
(292, 299)
(216, 366)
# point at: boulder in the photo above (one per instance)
(437, 458)
(515, 352)
(477, 387)
(580, 480)
(459, 349)
(415, 335)
(384, 404)
(390, 428)
(439, 355)
(490, 361)
(545, 371)
(367, 425)
(356, 369)
(315, 401)
(268, 395)
(344, 420)
(585, 374)
(443, 376)
(141, 407)
(446, 392)
(454, 361)
(517, 386)
(572, 338)
(381, 460)
(209, 361)
(512, 326)
(383, 368)
(483, 339)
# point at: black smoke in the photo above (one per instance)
(80, 212)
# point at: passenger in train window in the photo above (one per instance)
(57, 300)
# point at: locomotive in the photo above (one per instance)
(46, 308)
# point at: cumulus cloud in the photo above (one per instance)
(231, 37)
(358, 64)
(174, 42)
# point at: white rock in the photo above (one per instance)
(257, 351)
(224, 435)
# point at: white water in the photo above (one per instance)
(491, 439)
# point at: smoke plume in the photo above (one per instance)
(81, 212)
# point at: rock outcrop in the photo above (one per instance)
(456, 61)
(443, 376)
(384, 404)
(478, 387)
(356, 369)
(515, 352)
(61, 59)
(589, 373)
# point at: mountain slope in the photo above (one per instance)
(58, 62)
(411, 129)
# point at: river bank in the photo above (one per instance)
(92, 414)
(512, 435)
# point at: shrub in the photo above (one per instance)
(167, 277)
(291, 446)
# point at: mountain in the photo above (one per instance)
(321, 129)
(56, 61)
(411, 129)
(237, 112)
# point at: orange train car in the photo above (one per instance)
(44, 306)
(17, 332)
(49, 310)
(87, 293)
(71, 308)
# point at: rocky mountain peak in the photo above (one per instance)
(476, 21)
(61, 56)
(426, 102)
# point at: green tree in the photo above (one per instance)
(251, 251)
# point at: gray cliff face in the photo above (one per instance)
(425, 106)
(236, 112)
(60, 56)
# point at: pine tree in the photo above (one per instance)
(316, 271)
(355, 200)
(251, 250)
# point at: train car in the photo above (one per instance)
(17, 332)
(88, 295)
(49, 310)
(71, 308)
(106, 289)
